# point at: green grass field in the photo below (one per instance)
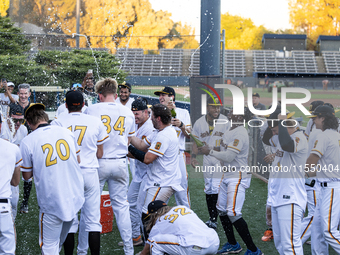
(253, 212)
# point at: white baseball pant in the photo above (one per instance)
(286, 220)
(7, 231)
(114, 172)
(169, 244)
(14, 200)
(52, 233)
(157, 193)
(306, 224)
(183, 197)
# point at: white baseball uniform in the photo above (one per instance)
(7, 134)
(235, 181)
(89, 132)
(128, 103)
(51, 153)
(212, 136)
(182, 197)
(63, 110)
(287, 194)
(180, 231)
(10, 158)
(136, 193)
(4, 104)
(164, 176)
(120, 124)
(327, 211)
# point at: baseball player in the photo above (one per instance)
(136, 193)
(178, 230)
(50, 155)
(325, 159)
(310, 125)
(10, 161)
(287, 195)
(163, 176)
(13, 131)
(235, 181)
(6, 98)
(120, 126)
(124, 95)
(182, 125)
(206, 131)
(91, 136)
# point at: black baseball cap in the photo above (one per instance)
(322, 111)
(74, 97)
(330, 105)
(34, 106)
(315, 104)
(154, 206)
(256, 95)
(166, 90)
(15, 109)
(139, 104)
(125, 85)
(213, 101)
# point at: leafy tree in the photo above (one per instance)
(4, 5)
(314, 18)
(241, 33)
(11, 41)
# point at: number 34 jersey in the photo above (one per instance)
(120, 124)
(51, 153)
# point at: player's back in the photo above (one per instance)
(8, 156)
(120, 124)
(52, 153)
(88, 131)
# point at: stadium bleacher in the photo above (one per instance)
(332, 61)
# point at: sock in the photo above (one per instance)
(228, 229)
(211, 203)
(27, 191)
(69, 244)
(242, 229)
(94, 243)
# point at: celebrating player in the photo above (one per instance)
(124, 95)
(186, 234)
(205, 130)
(231, 195)
(10, 161)
(91, 136)
(181, 122)
(287, 194)
(164, 176)
(325, 158)
(120, 126)
(50, 155)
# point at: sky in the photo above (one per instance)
(273, 14)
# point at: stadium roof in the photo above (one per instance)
(328, 38)
(283, 36)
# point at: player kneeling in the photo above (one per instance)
(178, 230)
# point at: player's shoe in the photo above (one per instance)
(211, 224)
(258, 252)
(23, 208)
(229, 249)
(136, 241)
(308, 242)
(268, 235)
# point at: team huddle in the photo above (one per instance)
(86, 147)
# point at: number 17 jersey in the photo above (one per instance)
(120, 124)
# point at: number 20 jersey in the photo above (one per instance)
(120, 124)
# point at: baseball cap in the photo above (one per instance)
(330, 105)
(74, 97)
(315, 104)
(15, 109)
(34, 106)
(125, 85)
(322, 111)
(10, 84)
(213, 101)
(166, 90)
(256, 95)
(138, 105)
(154, 206)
